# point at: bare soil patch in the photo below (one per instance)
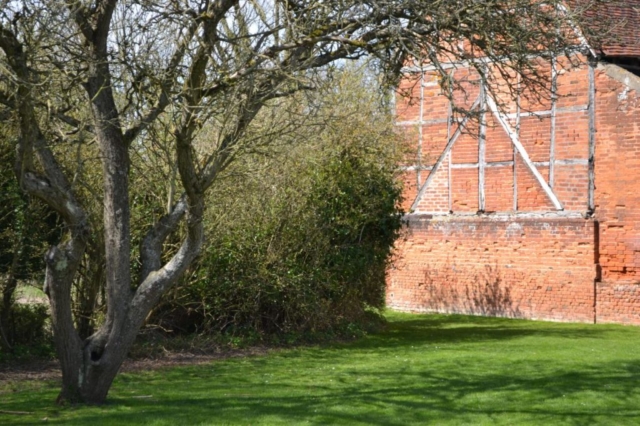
(50, 369)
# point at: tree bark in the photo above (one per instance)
(91, 282)
(8, 291)
(90, 365)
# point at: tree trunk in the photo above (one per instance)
(4, 342)
(91, 370)
(89, 366)
(58, 278)
(89, 285)
(9, 290)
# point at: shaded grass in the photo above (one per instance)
(423, 369)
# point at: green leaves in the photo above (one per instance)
(299, 239)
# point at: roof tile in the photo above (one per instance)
(613, 27)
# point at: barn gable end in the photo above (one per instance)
(535, 213)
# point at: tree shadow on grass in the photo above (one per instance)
(416, 398)
(435, 328)
(463, 385)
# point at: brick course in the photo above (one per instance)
(522, 268)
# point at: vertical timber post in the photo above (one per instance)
(552, 138)
(420, 130)
(592, 134)
(449, 123)
(515, 151)
(482, 145)
(591, 200)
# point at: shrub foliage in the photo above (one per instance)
(300, 241)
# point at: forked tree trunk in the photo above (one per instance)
(89, 366)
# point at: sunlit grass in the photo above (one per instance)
(424, 369)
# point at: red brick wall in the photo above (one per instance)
(555, 268)
(617, 196)
(618, 179)
(618, 302)
(523, 268)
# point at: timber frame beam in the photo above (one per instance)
(486, 103)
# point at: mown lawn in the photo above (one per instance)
(424, 369)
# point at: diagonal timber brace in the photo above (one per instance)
(447, 148)
(523, 153)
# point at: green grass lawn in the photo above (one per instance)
(424, 369)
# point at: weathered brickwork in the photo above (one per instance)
(617, 195)
(523, 268)
(618, 178)
(520, 255)
(618, 302)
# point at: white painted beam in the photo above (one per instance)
(591, 204)
(523, 153)
(482, 139)
(443, 155)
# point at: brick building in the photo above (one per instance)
(536, 212)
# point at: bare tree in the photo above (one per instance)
(75, 73)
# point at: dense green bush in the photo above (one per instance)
(308, 265)
(299, 241)
(27, 325)
(27, 228)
